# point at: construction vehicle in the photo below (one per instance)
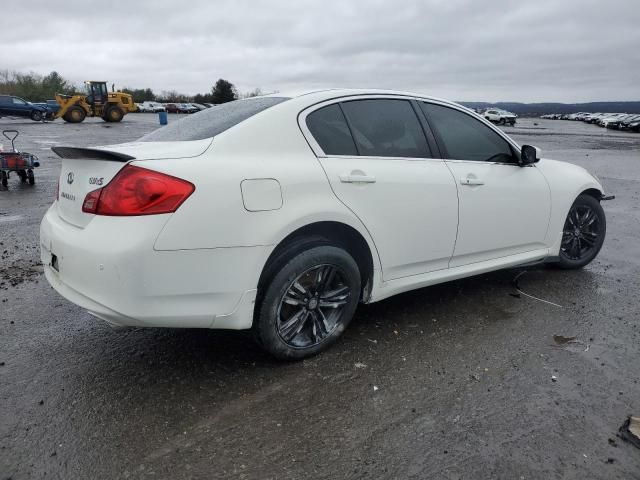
(97, 102)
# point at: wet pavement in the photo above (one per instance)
(459, 381)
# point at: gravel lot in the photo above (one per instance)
(453, 381)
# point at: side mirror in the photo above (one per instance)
(529, 154)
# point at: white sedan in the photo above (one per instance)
(281, 213)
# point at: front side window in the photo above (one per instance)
(466, 138)
(329, 127)
(18, 101)
(386, 128)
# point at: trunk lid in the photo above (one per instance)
(87, 169)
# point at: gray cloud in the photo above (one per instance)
(574, 50)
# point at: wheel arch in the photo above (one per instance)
(593, 192)
(324, 232)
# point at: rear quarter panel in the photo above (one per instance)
(269, 145)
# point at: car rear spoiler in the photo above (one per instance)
(91, 154)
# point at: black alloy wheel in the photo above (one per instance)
(308, 303)
(583, 233)
(311, 307)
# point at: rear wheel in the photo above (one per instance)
(583, 233)
(308, 303)
(113, 114)
(31, 177)
(4, 178)
(75, 114)
(36, 116)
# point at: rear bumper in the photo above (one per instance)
(121, 279)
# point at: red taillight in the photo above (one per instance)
(138, 191)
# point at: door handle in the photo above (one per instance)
(357, 179)
(471, 181)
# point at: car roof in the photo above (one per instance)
(317, 96)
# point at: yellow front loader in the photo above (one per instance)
(98, 102)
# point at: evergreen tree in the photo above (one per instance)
(223, 91)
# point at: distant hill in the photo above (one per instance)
(536, 109)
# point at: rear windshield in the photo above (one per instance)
(212, 121)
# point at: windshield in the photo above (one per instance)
(212, 121)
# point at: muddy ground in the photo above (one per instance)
(459, 381)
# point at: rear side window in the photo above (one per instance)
(386, 128)
(464, 137)
(212, 121)
(329, 127)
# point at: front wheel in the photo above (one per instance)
(308, 303)
(75, 114)
(36, 116)
(583, 233)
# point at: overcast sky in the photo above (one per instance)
(542, 50)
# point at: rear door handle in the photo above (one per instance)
(357, 178)
(471, 181)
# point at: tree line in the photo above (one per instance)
(39, 88)
(34, 87)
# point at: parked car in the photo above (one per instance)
(180, 108)
(11, 106)
(631, 124)
(614, 122)
(612, 117)
(580, 116)
(282, 213)
(500, 117)
(151, 107)
(52, 107)
(171, 107)
(595, 117)
(199, 106)
(187, 108)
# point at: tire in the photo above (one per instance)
(113, 114)
(36, 116)
(31, 177)
(75, 114)
(4, 179)
(502, 121)
(308, 303)
(583, 233)
(23, 176)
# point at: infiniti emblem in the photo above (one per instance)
(70, 178)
